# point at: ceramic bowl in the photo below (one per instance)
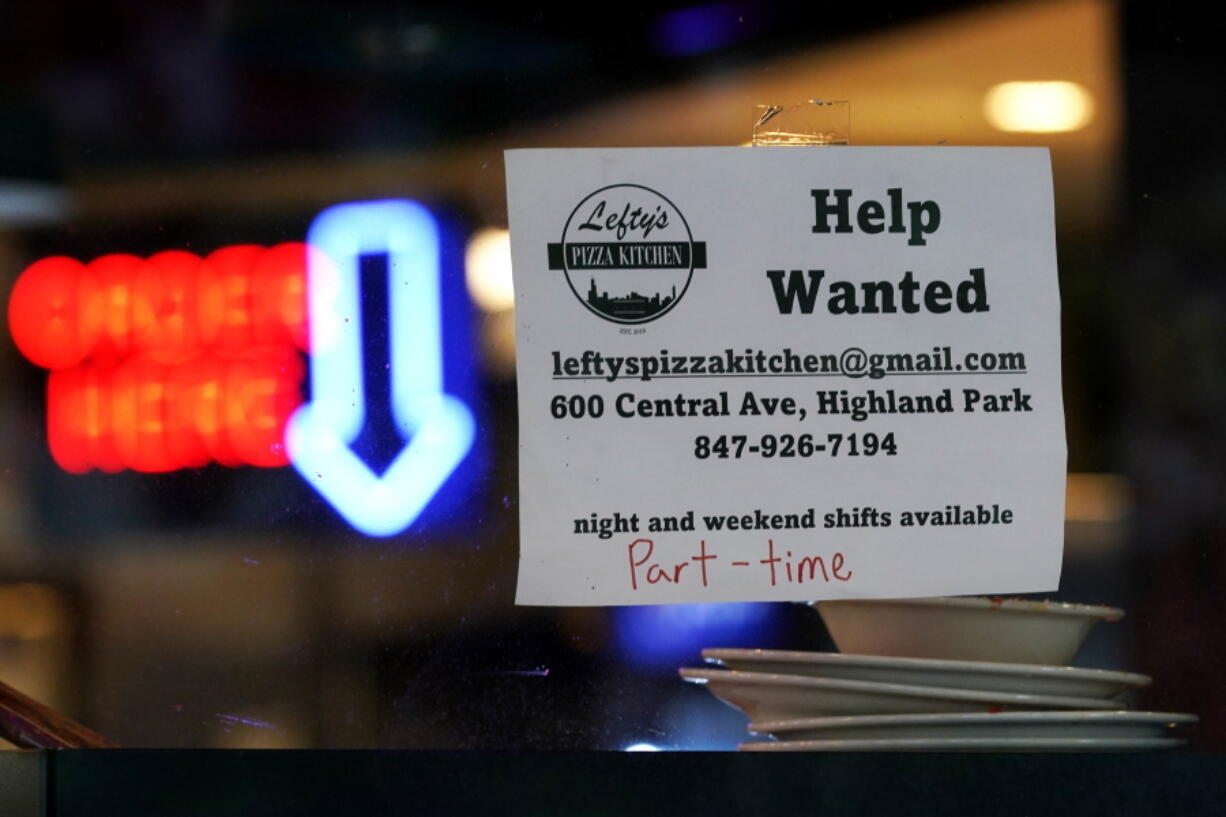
(1015, 631)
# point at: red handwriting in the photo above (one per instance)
(786, 568)
(655, 573)
(806, 566)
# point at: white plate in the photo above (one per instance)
(969, 745)
(1063, 725)
(1029, 679)
(767, 697)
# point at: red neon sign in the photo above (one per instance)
(167, 362)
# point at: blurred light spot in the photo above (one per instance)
(487, 269)
(166, 362)
(655, 635)
(1097, 498)
(32, 204)
(31, 612)
(1038, 107)
(698, 29)
(641, 747)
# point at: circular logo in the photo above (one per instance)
(627, 253)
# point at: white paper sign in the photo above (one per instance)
(786, 373)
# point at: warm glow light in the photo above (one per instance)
(170, 307)
(30, 612)
(487, 270)
(150, 417)
(53, 312)
(1097, 498)
(167, 362)
(1038, 107)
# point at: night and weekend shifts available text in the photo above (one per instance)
(786, 373)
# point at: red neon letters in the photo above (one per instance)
(167, 362)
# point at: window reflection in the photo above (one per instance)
(168, 580)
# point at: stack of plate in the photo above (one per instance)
(814, 701)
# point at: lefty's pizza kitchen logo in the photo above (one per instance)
(627, 253)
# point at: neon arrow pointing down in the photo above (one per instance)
(438, 429)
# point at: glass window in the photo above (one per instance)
(169, 579)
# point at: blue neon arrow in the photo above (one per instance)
(437, 427)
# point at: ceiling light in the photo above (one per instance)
(487, 270)
(1038, 107)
